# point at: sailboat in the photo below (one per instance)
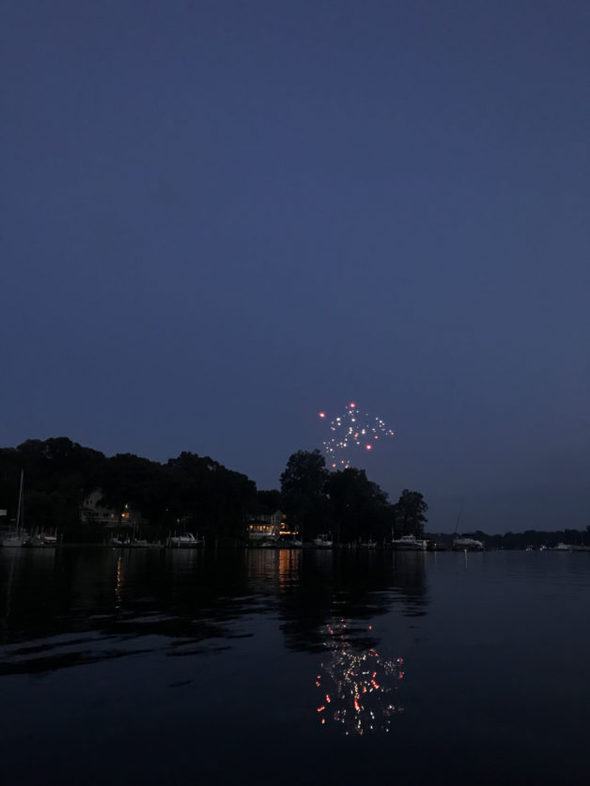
(462, 543)
(18, 537)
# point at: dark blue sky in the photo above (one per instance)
(221, 217)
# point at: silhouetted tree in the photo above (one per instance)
(303, 491)
(209, 497)
(409, 513)
(359, 507)
(269, 501)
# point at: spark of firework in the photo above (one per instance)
(351, 430)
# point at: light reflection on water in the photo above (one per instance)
(486, 656)
(357, 687)
(186, 597)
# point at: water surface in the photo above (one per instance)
(313, 667)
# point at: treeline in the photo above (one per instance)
(346, 503)
(189, 491)
(196, 493)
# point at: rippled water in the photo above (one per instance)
(311, 667)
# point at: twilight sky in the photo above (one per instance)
(221, 217)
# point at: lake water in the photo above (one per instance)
(279, 667)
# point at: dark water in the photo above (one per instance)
(312, 667)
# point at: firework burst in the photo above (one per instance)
(351, 431)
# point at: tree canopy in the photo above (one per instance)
(410, 514)
(188, 492)
(197, 493)
(345, 503)
(303, 491)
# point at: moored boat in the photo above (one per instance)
(368, 544)
(14, 539)
(185, 541)
(409, 543)
(467, 544)
(17, 537)
(42, 540)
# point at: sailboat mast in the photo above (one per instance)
(19, 510)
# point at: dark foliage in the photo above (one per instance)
(410, 514)
(194, 493)
(345, 503)
(304, 493)
(359, 508)
(187, 493)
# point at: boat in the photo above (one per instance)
(467, 544)
(17, 537)
(323, 541)
(117, 540)
(368, 544)
(186, 541)
(42, 540)
(14, 539)
(462, 543)
(409, 543)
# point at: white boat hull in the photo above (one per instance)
(187, 541)
(409, 543)
(14, 541)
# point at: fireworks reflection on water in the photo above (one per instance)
(357, 688)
